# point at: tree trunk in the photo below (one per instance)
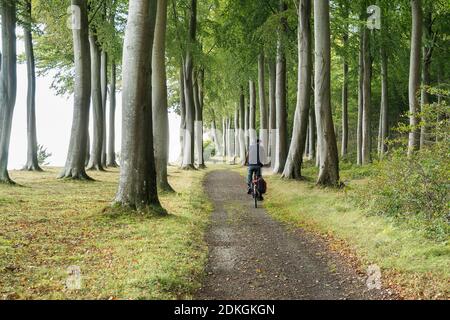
(359, 129)
(32, 159)
(182, 112)
(384, 124)
(201, 99)
(281, 96)
(104, 91)
(247, 125)
(215, 138)
(88, 147)
(292, 169)
(76, 157)
(237, 149)
(8, 83)
(230, 141)
(242, 149)
(137, 185)
(272, 109)
(426, 76)
(189, 151)
(344, 144)
(111, 156)
(414, 75)
(224, 139)
(252, 114)
(198, 131)
(264, 136)
(329, 161)
(95, 162)
(366, 109)
(312, 134)
(159, 99)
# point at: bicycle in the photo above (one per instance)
(255, 191)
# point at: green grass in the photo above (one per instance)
(49, 225)
(416, 266)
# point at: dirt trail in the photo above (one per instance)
(254, 257)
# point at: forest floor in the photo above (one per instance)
(305, 243)
(49, 225)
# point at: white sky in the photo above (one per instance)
(54, 122)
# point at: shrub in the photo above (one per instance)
(43, 155)
(415, 189)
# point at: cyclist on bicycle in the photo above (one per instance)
(256, 158)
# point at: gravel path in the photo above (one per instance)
(251, 256)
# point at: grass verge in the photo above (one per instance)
(417, 267)
(49, 225)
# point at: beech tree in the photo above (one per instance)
(32, 150)
(95, 162)
(242, 148)
(76, 157)
(414, 75)
(189, 152)
(272, 111)
(281, 96)
(137, 185)
(8, 83)
(292, 169)
(252, 113)
(428, 47)
(263, 121)
(159, 96)
(329, 161)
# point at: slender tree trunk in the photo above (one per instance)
(201, 99)
(247, 125)
(189, 151)
(111, 156)
(237, 149)
(367, 79)
(224, 138)
(305, 153)
(242, 149)
(88, 147)
(252, 114)
(384, 124)
(292, 169)
(281, 97)
(216, 138)
(359, 133)
(312, 134)
(426, 76)
(198, 98)
(137, 185)
(8, 83)
(95, 162)
(272, 110)
(329, 160)
(32, 159)
(344, 144)
(76, 157)
(182, 112)
(414, 75)
(264, 136)
(159, 97)
(230, 141)
(104, 91)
